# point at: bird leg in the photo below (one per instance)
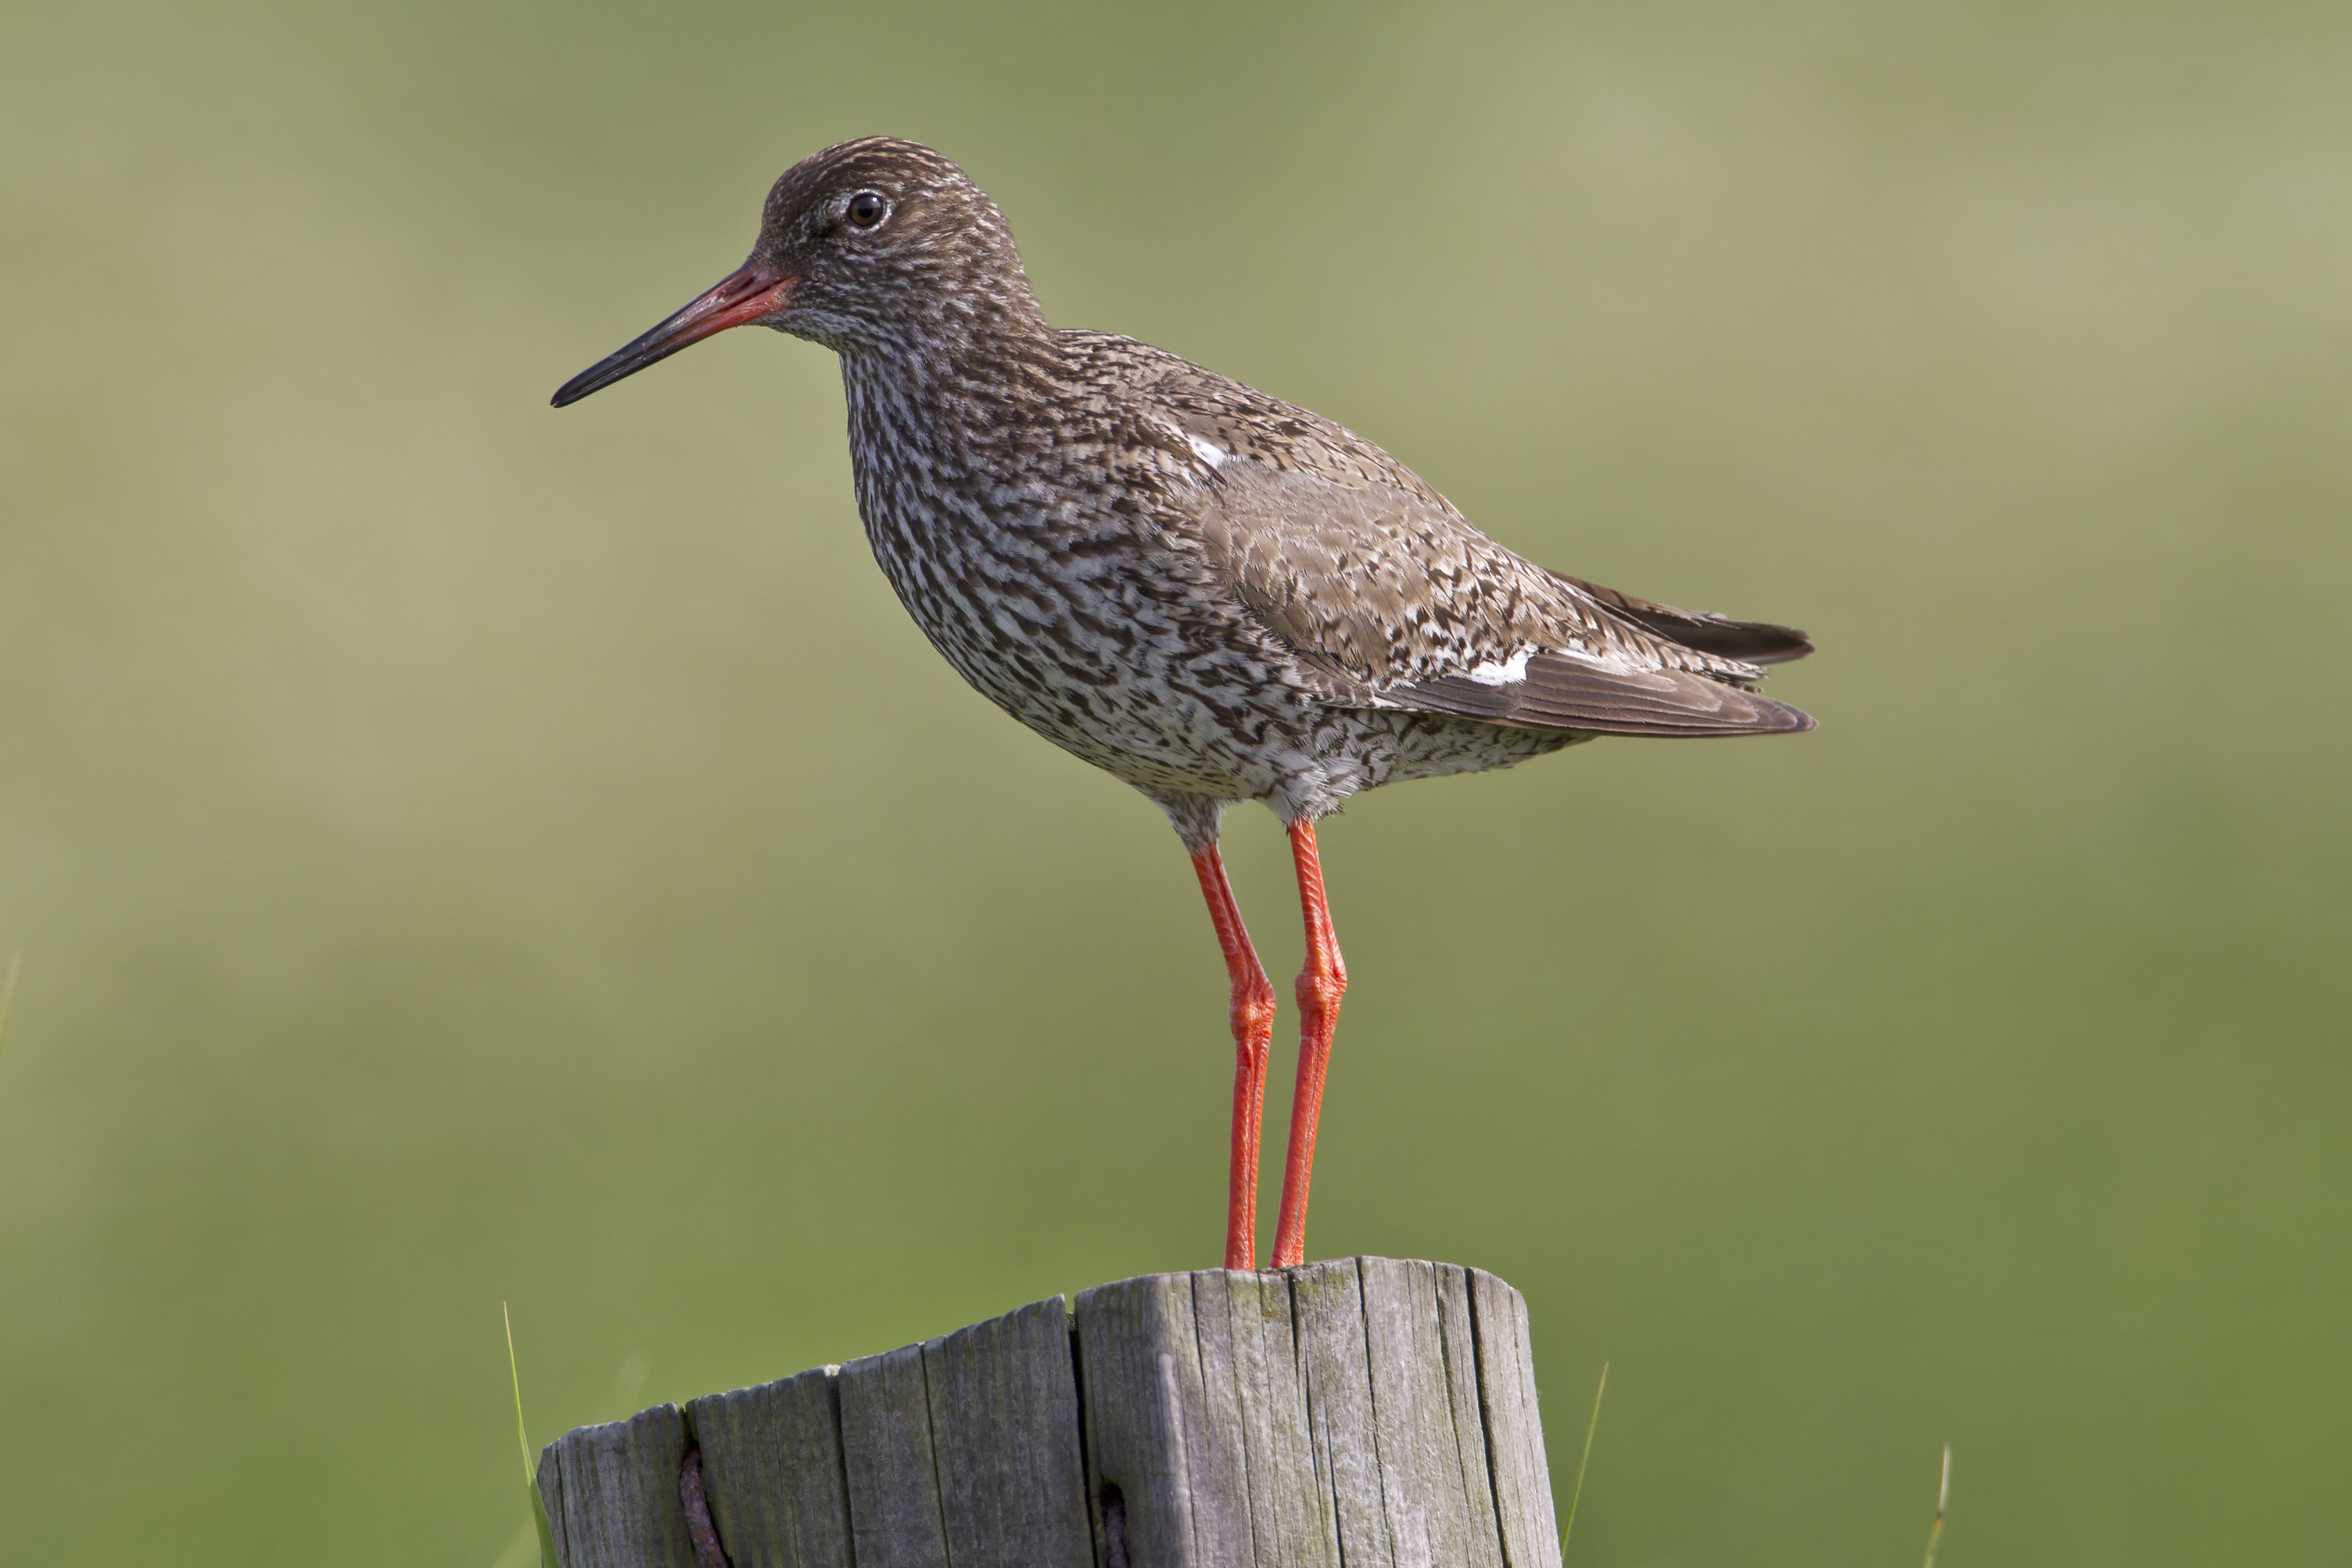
(1321, 984)
(1253, 1022)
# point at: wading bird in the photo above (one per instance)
(1204, 590)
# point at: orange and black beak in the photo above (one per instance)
(744, 295)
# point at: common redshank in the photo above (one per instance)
(1206, 591)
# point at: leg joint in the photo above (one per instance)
(1253, 1013)
(1320, 990)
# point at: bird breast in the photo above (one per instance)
(1038, 564)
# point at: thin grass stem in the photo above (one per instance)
(522, 1435)
(1943, 1496)
(1576, 1494)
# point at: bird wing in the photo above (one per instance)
(1371, 579)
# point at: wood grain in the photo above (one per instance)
(1507, 1392)
(1368, 1411)
(1006, 1430)
(612, 1492)
(771, 1464)
(892, 1470)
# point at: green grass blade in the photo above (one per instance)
(522, 1435)
(1943, 1496)
(1577, 1494)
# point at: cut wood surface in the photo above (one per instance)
(1365, 1412)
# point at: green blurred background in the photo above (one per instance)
(463, 852)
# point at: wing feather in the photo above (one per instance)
(1569, 694)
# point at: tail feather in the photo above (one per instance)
(1752, 641)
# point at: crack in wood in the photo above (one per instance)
(708, 1550)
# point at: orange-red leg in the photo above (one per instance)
(1253, 1021)
(1321, 984)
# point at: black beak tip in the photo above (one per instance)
(745, 295)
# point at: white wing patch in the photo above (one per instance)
(1510, 672)
(1507, 673)
(1208, 451)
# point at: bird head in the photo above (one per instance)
(876, 246)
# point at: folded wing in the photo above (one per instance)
(1375, 582)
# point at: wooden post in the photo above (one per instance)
(1365, 1412)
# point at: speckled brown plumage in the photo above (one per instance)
(1204, 590)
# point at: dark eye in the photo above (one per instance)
(867, 209)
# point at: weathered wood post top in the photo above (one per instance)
(1365, 1412)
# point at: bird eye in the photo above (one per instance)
(867, 208)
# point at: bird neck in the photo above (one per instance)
(954, 396)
